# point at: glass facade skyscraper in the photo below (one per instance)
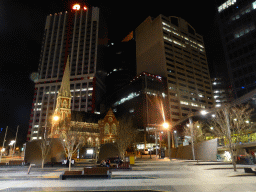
(237, 22)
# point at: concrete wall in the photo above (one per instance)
(33, 152)
(206, 150)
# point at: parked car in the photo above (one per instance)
(144, 152)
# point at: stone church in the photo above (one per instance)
(96, 129)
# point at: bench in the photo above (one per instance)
(89, 172)
(250, 169)
(18, 162)
(124, 165)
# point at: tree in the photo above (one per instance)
(194, 131)
(126, 134)
(45, 144)
(232, 121)
(71, 141)
(45, 148)
(197, 131)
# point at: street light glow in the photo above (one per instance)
(165, 125)
(203, 112)
(76, 7)
(55, 118)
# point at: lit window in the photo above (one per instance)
(218, 105)
(35, 131)
(33, 138)
(254, 5)
(226, 5)
(184, 102)
(194, 104)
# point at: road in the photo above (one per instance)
(147, 174)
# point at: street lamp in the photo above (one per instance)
(56, 118)
(166, 126)
(11, 144)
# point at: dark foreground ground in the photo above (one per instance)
(146, 175)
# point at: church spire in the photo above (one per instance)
(65, 84)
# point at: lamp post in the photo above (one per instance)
(166, 126)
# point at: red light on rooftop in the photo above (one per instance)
(85, 8)
(76, 7)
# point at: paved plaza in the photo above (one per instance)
(147, 174)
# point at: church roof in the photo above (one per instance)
(65, 84)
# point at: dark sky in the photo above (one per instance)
(21, 32)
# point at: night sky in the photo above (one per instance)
(21, 33)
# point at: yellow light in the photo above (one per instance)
(55, 118)
(76, 7)
(165, 125)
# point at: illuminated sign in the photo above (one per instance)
(226, 5)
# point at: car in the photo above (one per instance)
(144, 152)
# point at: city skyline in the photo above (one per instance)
(23, 32)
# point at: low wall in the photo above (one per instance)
(33, 152)
(206, 150)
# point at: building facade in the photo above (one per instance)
(80, 33)
(170, 47)
(222, 92)
(145, 100)
(236, 19)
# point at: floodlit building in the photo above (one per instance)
(81, 34)
(236, 20)
(171, 48)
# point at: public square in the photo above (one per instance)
(147, 174)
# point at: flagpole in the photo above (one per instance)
(3, 143)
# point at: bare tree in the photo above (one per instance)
(194, 131)
(71, 140)
(126, 134)
(230, 121)
(45, 148)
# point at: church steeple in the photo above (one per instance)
(65, 84)
(63, 106)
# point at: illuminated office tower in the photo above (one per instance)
(81, 34)
(237, 23)
(170, 47)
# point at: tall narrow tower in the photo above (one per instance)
(62, 114)
(82, 34)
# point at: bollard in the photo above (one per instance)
(30, 167)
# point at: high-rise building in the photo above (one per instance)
(222, 92)
(170, 47)
(237, 20)
(81, 34)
